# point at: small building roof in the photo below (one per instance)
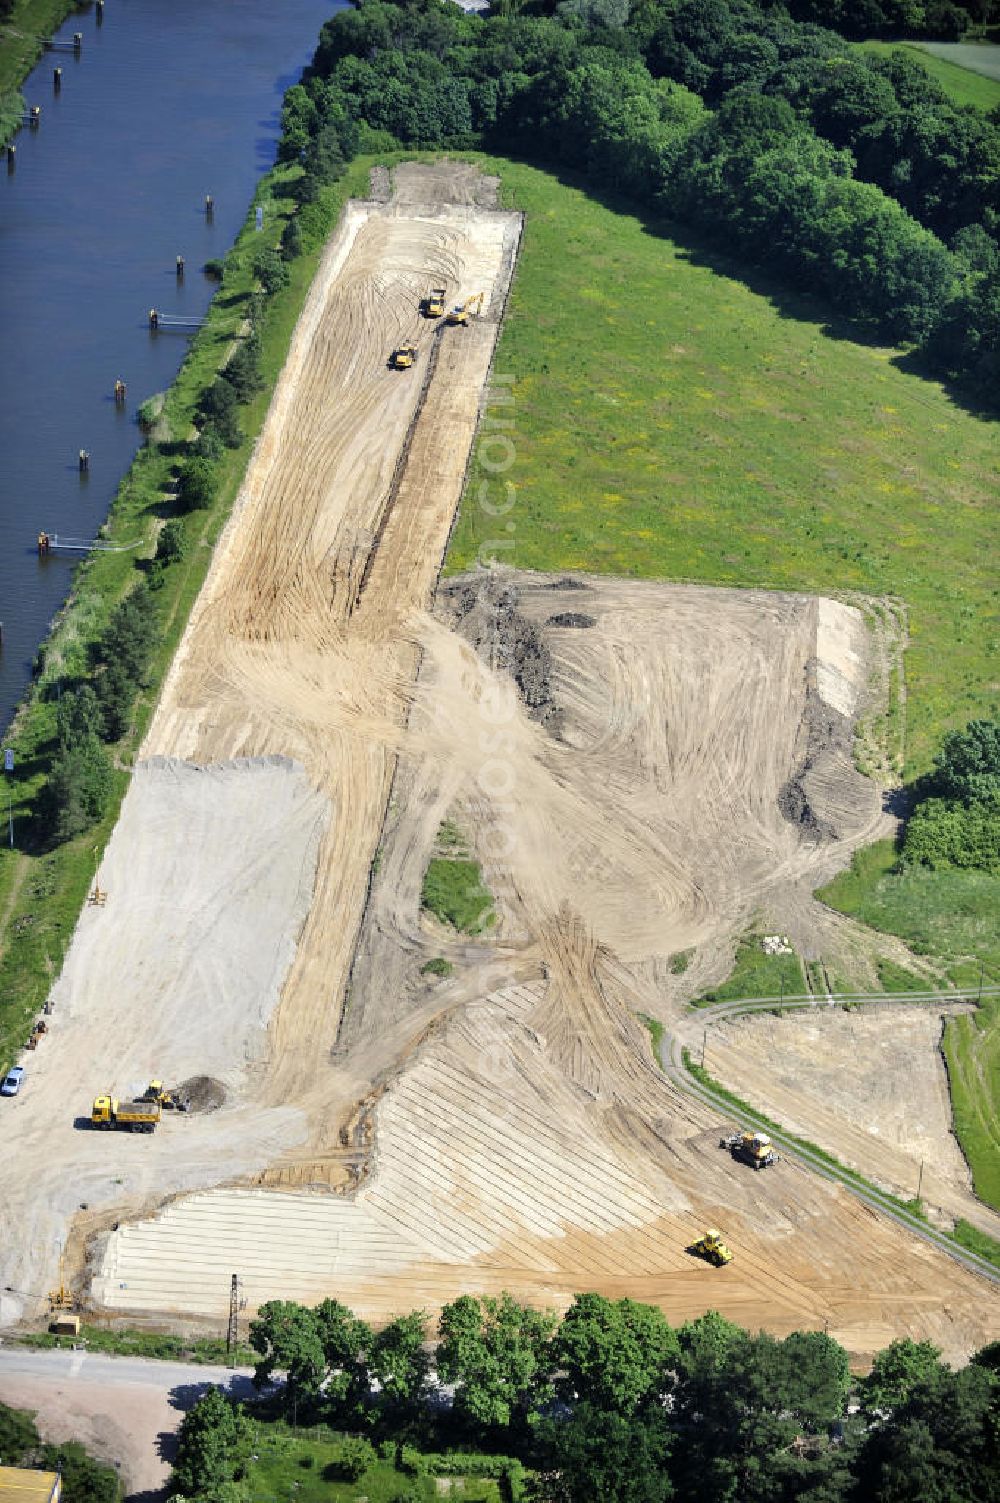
(20, 1484)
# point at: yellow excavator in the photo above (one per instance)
(433, 306)
(169, 1100)
(462, 312)
(403, 357)
(712, 1248)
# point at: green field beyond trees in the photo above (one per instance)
(677, 419)
(960, 84)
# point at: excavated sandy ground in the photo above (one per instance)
(685, 766)
(870, 1085)
(209, 873)
(530, 1142)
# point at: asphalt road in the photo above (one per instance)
(124, 1409)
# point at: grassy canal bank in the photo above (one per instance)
(22, 34)
(43, 887)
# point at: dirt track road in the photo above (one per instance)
(125, 1411)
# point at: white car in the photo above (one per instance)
(12, 1083)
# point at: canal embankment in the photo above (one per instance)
(23, 35)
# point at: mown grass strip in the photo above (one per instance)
(41, 894)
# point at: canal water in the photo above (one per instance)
(168, 100)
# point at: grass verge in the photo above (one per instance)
(41, 893)
(952, 915)
(972, 1053)
(162, 1347)
(949, 914)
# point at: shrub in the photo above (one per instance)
(353, 1458)
(78, 715)
(78, 788)
(115, 692)
(170, 545)
(215, 268)
(968, 765)
(218, 409)
(291, 239)
(437, 967)
(243, 370)
(208, 445)
(150, 410)
(195, 484)
(942, 832)
(130, 634)
(270, 270)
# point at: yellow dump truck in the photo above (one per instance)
(133, 1116)
(434, 304)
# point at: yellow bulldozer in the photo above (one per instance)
(403, 357)
(711, 1247)
(462, 312)
(433, 305)
(753, 1148)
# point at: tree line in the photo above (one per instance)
(612, 1402)
(942, 20)
(852, 176)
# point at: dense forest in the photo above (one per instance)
(612, 1402)
(849, 175)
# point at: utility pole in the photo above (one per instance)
(982, 966)
(704, 1044)
(920, 1178)
(232, 1333)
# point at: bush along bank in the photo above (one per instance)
(98, 673)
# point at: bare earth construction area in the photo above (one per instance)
(641, 769)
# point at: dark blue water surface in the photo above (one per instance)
(169, 100)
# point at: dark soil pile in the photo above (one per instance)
(487, 615)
